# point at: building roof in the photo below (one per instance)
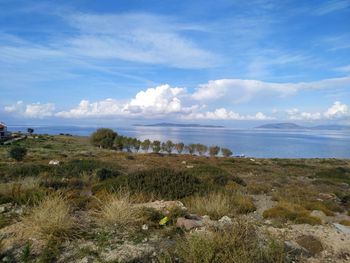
(2, 125)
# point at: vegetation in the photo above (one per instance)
(17, 153)
(103, 138)
(240, 243)
(96, 198)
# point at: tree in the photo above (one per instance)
(214, 150)
(145, 145)
(179, 147)
(136, 144)
(103, 137)
(201, 149)
(17, 153)
(119, 143)
(226, 152)
(156, 146)
(169, 145)
(191, 148)
(30, 130)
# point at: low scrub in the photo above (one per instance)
(286, 211)
(241, 243)
(23, 192)
(161, 183)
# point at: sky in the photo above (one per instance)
(231, 62)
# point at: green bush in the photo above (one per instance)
(17, 152)
(23, 170)
(104, 174)
(161, 182)
(75, 168)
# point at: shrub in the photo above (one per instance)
(103, 138)
(24, 170)
(75, 168)
(240, 243)
(104, 173)
(287, 211)
(18, 153)
(179, 147)
(50, 219)
(26, 191)
(161, 182)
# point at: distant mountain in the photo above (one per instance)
(293, 126)
(190, 125)
(286, 125)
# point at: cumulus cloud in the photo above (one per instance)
(152, 102)
(242, 90)
(33, 110)
(337, 111)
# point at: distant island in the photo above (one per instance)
(293, 126)
(189, 125)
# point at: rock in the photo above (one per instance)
(162, 206)
(189, 166)
(327, 197)
(54, 162)
(312, 244)
(5, 207)
(319, 214)
(188, 224)
(296, 250)
(342, 228)
(144, 227)
(87, 260)
(183, 162)
(224, 221)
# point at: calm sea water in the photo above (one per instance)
(250, 142)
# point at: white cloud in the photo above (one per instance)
(141, 38)
(87, 109)
(336, 111)
(241, 90)
(34, 110)
(224, 114)
(152, 102)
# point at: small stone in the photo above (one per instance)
(225, 221)
(145, 227)
(54, 162)
(189, 166)
(183, 162)
(319, 214)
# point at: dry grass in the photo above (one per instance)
(215, 205)
(240, 243)
(116, 210)
(345, 222)
(50, 219)
(24, 191)
(219, 204)
(287, 211)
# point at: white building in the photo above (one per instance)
(3, 131)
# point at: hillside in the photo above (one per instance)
(102, 205)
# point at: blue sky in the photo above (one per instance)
(230, 62)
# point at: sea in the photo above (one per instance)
(259, 143)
